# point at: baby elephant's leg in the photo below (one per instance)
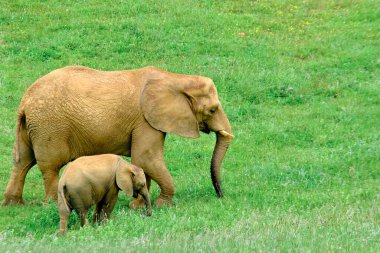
(97, 212)
(64, 216)
(108, 206)
(82, 212)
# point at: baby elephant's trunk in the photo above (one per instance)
(145, 194)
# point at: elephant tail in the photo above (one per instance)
(64, 200)
(20, 127)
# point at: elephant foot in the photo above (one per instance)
(160, 202)
(137, 203)
(51, 197)
(13, 201)
(61, 232)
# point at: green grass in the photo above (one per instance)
(299, 81)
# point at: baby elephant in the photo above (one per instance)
(91, 180)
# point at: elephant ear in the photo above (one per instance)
(168, 108)
(124, 179)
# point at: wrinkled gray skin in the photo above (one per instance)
(96, 180)
(78, 111)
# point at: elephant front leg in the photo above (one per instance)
(165, 181)
(108, 207)
(105, 207)
(82, 212)
(157, 171)
(148, 153)
(97, 212)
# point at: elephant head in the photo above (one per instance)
(131, 180)
(185, 105)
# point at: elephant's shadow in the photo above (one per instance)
(40, 219)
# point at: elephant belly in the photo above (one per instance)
(100, 143)
(64, 144)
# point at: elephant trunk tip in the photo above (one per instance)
(219, 193)
(217, 187)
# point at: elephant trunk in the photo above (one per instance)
(223, 140)
(145, 194)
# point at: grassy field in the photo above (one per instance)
(299, 81)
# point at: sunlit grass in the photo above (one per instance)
(299, 81)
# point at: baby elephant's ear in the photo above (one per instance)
(124, 179)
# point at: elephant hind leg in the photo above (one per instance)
(23, 162)
(50, 175)
(64, 216)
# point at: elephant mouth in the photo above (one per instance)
(204, 128)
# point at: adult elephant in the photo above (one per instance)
(77, 111)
